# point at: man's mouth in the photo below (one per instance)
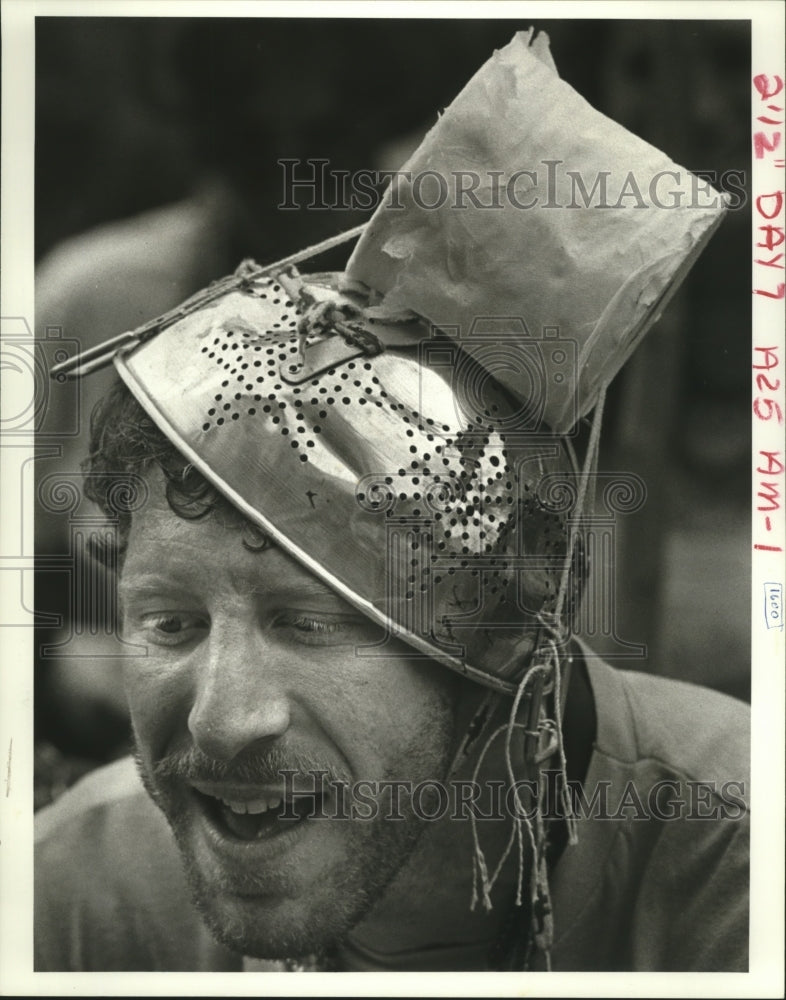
(255, 814)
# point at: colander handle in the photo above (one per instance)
(102, 354)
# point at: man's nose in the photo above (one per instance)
(238, 699)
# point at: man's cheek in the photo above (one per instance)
(153, 676)
(156, 699)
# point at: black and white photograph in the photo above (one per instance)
(393, 476)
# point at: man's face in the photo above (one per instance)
(251, 669)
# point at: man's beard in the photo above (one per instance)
(373, 851)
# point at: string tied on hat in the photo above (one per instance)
(543, 682)
(323, 317)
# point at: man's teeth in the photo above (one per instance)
(254, 807)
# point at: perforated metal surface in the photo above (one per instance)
(417, 493)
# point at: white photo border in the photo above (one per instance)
(765, 977)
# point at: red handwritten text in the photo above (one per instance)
(769, 463)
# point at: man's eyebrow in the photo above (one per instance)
(296, 592)
(147, 583)
(152, 583)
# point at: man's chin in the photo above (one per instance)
(297, 894)
(263, 927)
(294, 903)
(281, 892)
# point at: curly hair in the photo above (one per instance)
(125, 444)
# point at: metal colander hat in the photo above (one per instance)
(393, 427)
(353, 446)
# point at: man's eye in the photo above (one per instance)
(170, 624)
(170, 629)
(321, 630)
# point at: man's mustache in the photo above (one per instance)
(257, 767)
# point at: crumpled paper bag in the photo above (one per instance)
(595, 276)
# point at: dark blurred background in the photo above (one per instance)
(157, 141)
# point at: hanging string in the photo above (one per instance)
(567, 805)
(548, 666)
(590, 463)
(481, 720)
(480, 867)
(521, 814)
